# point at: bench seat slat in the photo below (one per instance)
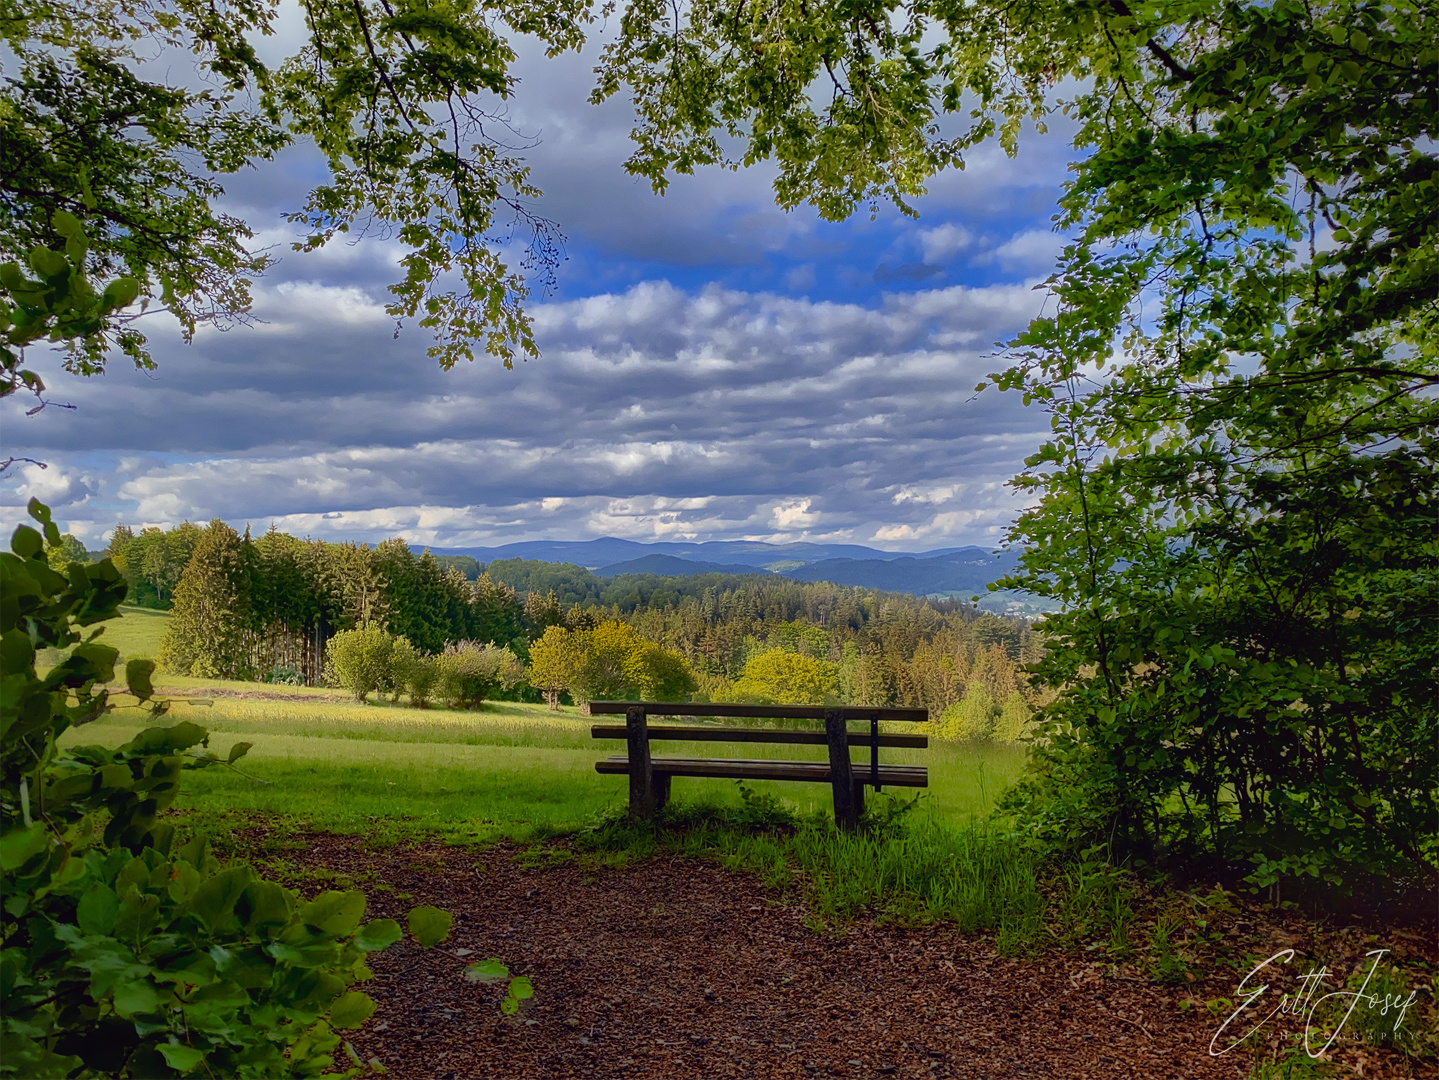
(739, 769)
(712, 733)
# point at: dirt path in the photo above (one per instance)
(676, 969)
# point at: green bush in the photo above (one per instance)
(974, 718)
(285, 675)
(413, 671)
(467, 672)
(124, 954)
(360, 659)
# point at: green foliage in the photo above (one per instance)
(69, 551)
(394, 96)
(210, 634)
(611, 662)
(120, 953)
(972, 719)
(556, 662)
(467, 673)
(58, 304)
(153, 561)
(1235, 509)
(1239, 517)
(1014, 718)
(412, 671)
(518, 989)
(777, 677)
(361, 659)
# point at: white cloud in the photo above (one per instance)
(1032, 251)
(944, 242)
(653, 412)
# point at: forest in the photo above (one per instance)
(267, 609)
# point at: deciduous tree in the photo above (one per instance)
(1239, 358)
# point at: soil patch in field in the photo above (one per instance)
(673, 969)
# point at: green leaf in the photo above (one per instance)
(138, 673)
(26, 542)
(49, 264)
(97, 910)
(380, 934)
(266, 905)
(215, 899)
(165, 740)
(335, 913)
(522, 988)
(487, 971)
(351, 1010)
(19, 846)
(430, 925)
(239, 750)
(182, 1059)
(120, 293)
(134, 998)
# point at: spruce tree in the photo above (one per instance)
(211, 630)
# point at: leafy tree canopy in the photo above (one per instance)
(102, 123)
(1239, 356)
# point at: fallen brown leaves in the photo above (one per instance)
(677, 969)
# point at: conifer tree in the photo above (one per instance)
(211, 631)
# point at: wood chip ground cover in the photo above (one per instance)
(674, 968)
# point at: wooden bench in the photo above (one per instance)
(650, 776)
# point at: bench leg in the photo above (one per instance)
(642, 778)
(858, 797)
(661, 790)
(841, 776)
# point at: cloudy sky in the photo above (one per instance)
(712, 369)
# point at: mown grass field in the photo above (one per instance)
(511, 769)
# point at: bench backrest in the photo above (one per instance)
(638, 733)
(776, 712)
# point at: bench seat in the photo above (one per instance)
(746, 769)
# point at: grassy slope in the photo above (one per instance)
(137, 632)
(513, 769)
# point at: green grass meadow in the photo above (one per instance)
(386, 772)
(511, 769)
(136, 632)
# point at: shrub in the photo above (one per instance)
(125, 954)
(360, 659)
(974, 718)
(412, 670)
(285, 675)
(1014, 717)
(610, 662)
(777, 677)
(468, 672)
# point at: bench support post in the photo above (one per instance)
(643, 803)
(846, 814)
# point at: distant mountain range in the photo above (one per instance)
(609, 550)
(962, 571)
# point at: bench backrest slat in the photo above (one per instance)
(757, 735)
(757, 712)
